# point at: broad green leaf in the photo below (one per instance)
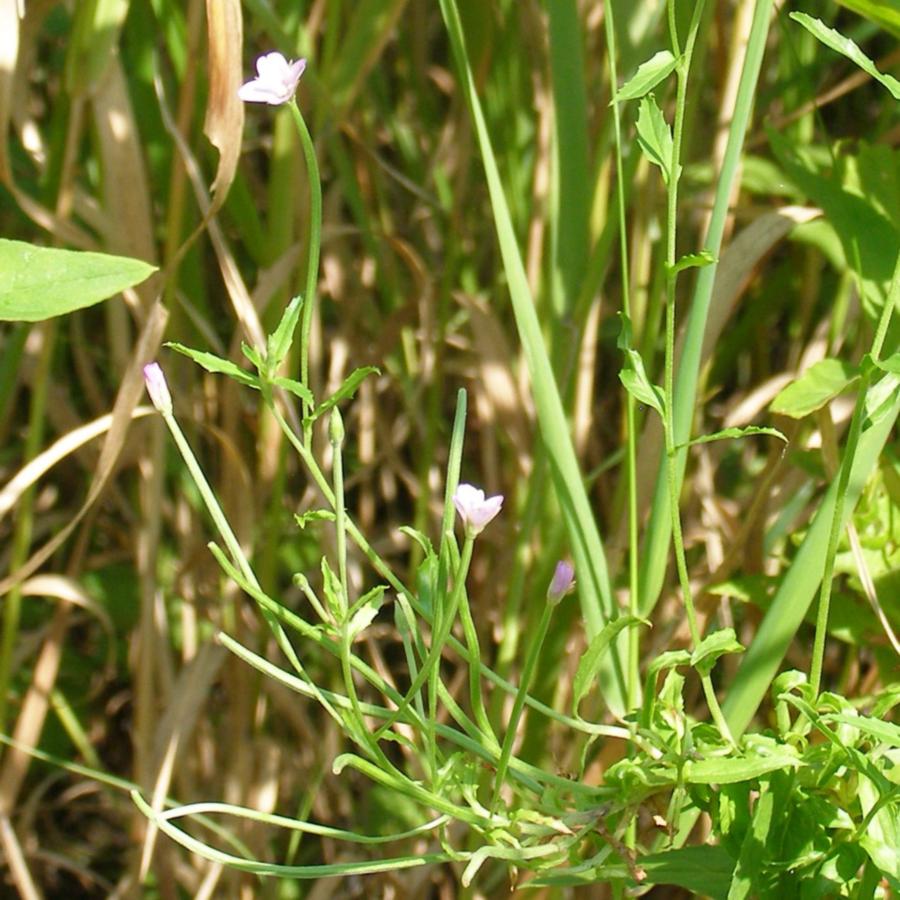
(648, 75)
(279, 342)
(730, 433)
(714, 645)
(636, 382)
(347, 389)
(655, 136)
(704, 871)
(840, 44)
(216, 364)
(818, 385)
(590, 662)
(693, 261)
(38, 283)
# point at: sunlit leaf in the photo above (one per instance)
(38, 283)
(648, 75)
(817, 386)
(655, 136)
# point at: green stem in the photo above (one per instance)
(315, 243)
(512, 726)
(633, 673)
(682, 72)
(12, 604)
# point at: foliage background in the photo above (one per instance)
(108, 652)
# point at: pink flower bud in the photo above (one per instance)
(157, 388)
(562, 582)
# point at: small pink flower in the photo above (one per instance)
(155, 382)
(474, 508)
(276, 80)
(562, 582)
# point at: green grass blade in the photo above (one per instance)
(799, 586)
(571, 207)
(590, 559)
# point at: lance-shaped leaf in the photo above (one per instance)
(38, 283)
(216, 364)
(648, 75)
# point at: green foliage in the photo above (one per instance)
(42, 282)
(485, 222)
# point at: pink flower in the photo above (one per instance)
(276, 80)
(474, 508)
(157, 388)
(562, 582)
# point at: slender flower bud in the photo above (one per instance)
(336, 428)
(276, 80)
(474, 508)
(562, 582)
(157, 388)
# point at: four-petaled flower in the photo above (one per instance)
(157, 387)
(474, 508)
(562, 582)
(276, 80)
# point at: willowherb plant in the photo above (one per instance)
(807, 807)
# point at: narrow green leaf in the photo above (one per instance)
(648, 75)
(795, 593)
(347, 389)
(279, 342)
(886, 732)
(38, 283)
(743, 883)
(334, 594)
(818, 385)
(595, 588)
(591, 660)
(693, 261)
(254, 356)
(313, 515)
(731, 433)
(216, 364)
(840, 44)
(655, 136)
(714, 645)
(292, 386)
